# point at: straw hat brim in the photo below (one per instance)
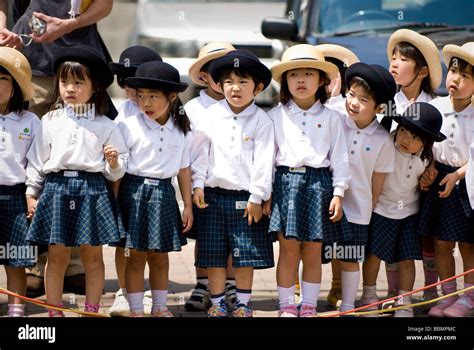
(196, 67)
(427, 48)
(340, 53)
(327, 67)
(450, 51)
(19, 68)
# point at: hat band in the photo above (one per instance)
(216, 50)
(305, 58)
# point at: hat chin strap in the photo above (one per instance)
(416, 76)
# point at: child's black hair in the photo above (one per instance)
(15, 104)
(321, 95)
(121, 80)
(241, 73)
(427, 152)
(342, 70)
(360, 82)
(177, 112)
(463, 66)
(205, 68)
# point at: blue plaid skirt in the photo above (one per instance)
(300, 206)
(16, 251)
(449, 219)
(394, 240)
(76, 207)
(352, 250)
(223, 231)
(150, 214)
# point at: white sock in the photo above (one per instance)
(310, 293)
(122, 291)
(369, 291)
(16, 310)
(349, 286)
(286, 296)
(406, 300)
(243, 296)
(159, 298)
(216, 299)
(135, 300)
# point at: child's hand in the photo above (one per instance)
(336, 86)
(427, 178)
(335, 209)
(267, 207)
(198, 198)
(187, 219)
(449, 181)
(254, 212)
(31, 206)
(111, 155)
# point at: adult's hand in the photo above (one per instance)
(55, 28)
(10, 39)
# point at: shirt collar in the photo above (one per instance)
(11, 115)
(369, 130)
(293, 108)
(227, 112)
(469, 110)
(89, 114)
(206, 100)
(151, 124)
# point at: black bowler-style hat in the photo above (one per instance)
(241, 59)
(158, 76)
(378, 78)
(89, 57)
(131, 58)
(423, 118)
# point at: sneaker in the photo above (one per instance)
(162, 313)
(390, 304)
(55, 313)
(307, 311)
(367, 300)
(120, 307)
(147, 302)
(136, 314)
(289, 311)
(334, 297)
(407, 312)
(218, 310)
(463, 307)
(242, 310)
(199, 300)
(230, 296)
(437, 310)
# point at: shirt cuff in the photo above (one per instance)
(31, 191)
(198, 184)
(338, 191)
(255, 198)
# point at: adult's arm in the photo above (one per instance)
(7, 38)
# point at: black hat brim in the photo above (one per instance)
(412, 124)
(155, 84)
(121, 70)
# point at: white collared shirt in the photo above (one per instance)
(337, 103)
(66, 141)
(236, 151)
(459, 130)
(402, 102)
(470, 176)
(125, 109)
(157, 151)
(370, 150)
(17, 132)
(195, 108)
(313, 138)
(400, 194)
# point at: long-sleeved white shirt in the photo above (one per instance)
(470, 176)
(66, 141)
(236, 151)
(195, 108)
(125, 109)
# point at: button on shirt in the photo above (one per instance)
(470, 176)
(459, 130)
(17, 132)
(125, 109)
(157, 151)
(66, 141)
(370, 150)
(195, 108)
(236, 151)
(313, 138)
(400, 194)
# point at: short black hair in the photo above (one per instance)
(427, 152)
(360, 82)
(462, 65)
(16, 103)
(241, 73)
(321, 95)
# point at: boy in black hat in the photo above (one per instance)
(233, 174)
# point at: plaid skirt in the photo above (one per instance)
(16, 250)
(300, 206)
(352, 250)
(150, 214)
(449, 219)
(394, 240)
(75, 208)
(223, 231)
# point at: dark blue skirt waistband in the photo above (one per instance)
(78, 174)
(15, 190)
(303, 170)
(222, 191)
(445, 168)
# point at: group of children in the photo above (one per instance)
(325, 168)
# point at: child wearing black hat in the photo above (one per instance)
(233, 174)
(158, 140)
(393, 234)
(76, 151)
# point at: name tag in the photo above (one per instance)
(71, 173)
(241, 205)
(301, 170)
(151, 182)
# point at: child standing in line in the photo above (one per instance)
(18, 129)
(158, 140)
(470, 178)
(199, 74)
(129, 60)
(234, 173)
(312, 174)
(393, 236)
(446, 212)
(67, 173)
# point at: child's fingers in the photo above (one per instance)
(246, 212)
(250, 219)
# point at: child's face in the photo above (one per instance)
(303, 83)
(6, 87)
(75, 91)
(408, 142)
(360, 106)
(460, 84)
(402, 69)
(240, 92)
(131, 93)
(153, 103)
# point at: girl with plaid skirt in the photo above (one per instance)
(18, 128)
(393, 235)
(158, 140)
(312, 174)
(446, 212)
(73, 155)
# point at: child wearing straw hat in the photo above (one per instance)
(18, 129)
(416, 67)
(311, 176)
(446, 211)
(233, 174)
(195, 109)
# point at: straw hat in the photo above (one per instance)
(340, 53)
(465, 52)
(427, 48)
(303, 56)
(18, 66)
(208, 53)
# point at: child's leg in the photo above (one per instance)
(467, 254)
(311, 282)
(350, 278)
(230, 287)
(407, 275)
(93, 261)
(16, 282)
(370, 271)
(159, 279)
(217, 277)
(429, 264)
(287, 267)
(120, 264)
(393, 279)
(56, 265)
(335, 293)
(135, 280)
(244, 282)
